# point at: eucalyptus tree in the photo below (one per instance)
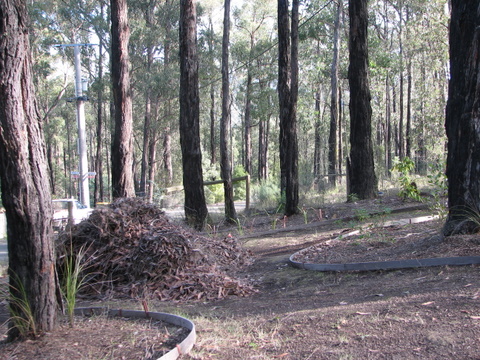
(323, 66)
(288, 96)
(153, 79)
(26, 191)
(100, 26)
(427, 52)
(253, 52)
(361, 169)
(170, 72)
(122, 146)
(195, 206)
(225, 123)
(383, 72)
(335, 93)
(250, 23)
(210, 50)
(422, 63)
(68, 22)
(462, 120)
(212, 70)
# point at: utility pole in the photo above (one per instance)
(82, 138)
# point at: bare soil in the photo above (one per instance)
(425, 313)
(99, 337)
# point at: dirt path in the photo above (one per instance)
(429, 313)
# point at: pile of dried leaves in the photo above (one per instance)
(133, 249)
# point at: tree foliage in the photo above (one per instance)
(408, 72)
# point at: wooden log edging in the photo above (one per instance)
(387, 265)
(181, 349)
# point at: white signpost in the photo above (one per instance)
(83, 174)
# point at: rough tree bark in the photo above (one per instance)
(195, 206)
(287, 94)
(462, 120)
(26, 192)
(361, 168)
(122, 146)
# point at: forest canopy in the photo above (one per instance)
(408, 68)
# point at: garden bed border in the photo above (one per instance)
(181, 349)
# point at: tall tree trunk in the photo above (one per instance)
(263, 133)
(248, 124)
(362, 178)
(167, 155)
(340, 134)
(122, 147)
(147, 123)
(26, 191)
(287, 93)
(225, 165)
(401, 140)
(98, 184)
(152, 155)
(147, 130)
(195, 206)
(213, 144)
(422, 149)
(167, 134)
(462, 120)
(334, 108)
(317, 156)
(263, 148)
(408, 130)
(388, 125)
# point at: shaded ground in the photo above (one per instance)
(430, 313)
(100, 337)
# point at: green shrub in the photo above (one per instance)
(439, 189)
(267, 194)
(408, 187)
(239, 189)
(73, 280)
(213, 193)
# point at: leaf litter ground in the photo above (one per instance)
(430, 313)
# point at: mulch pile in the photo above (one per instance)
(132, 249)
